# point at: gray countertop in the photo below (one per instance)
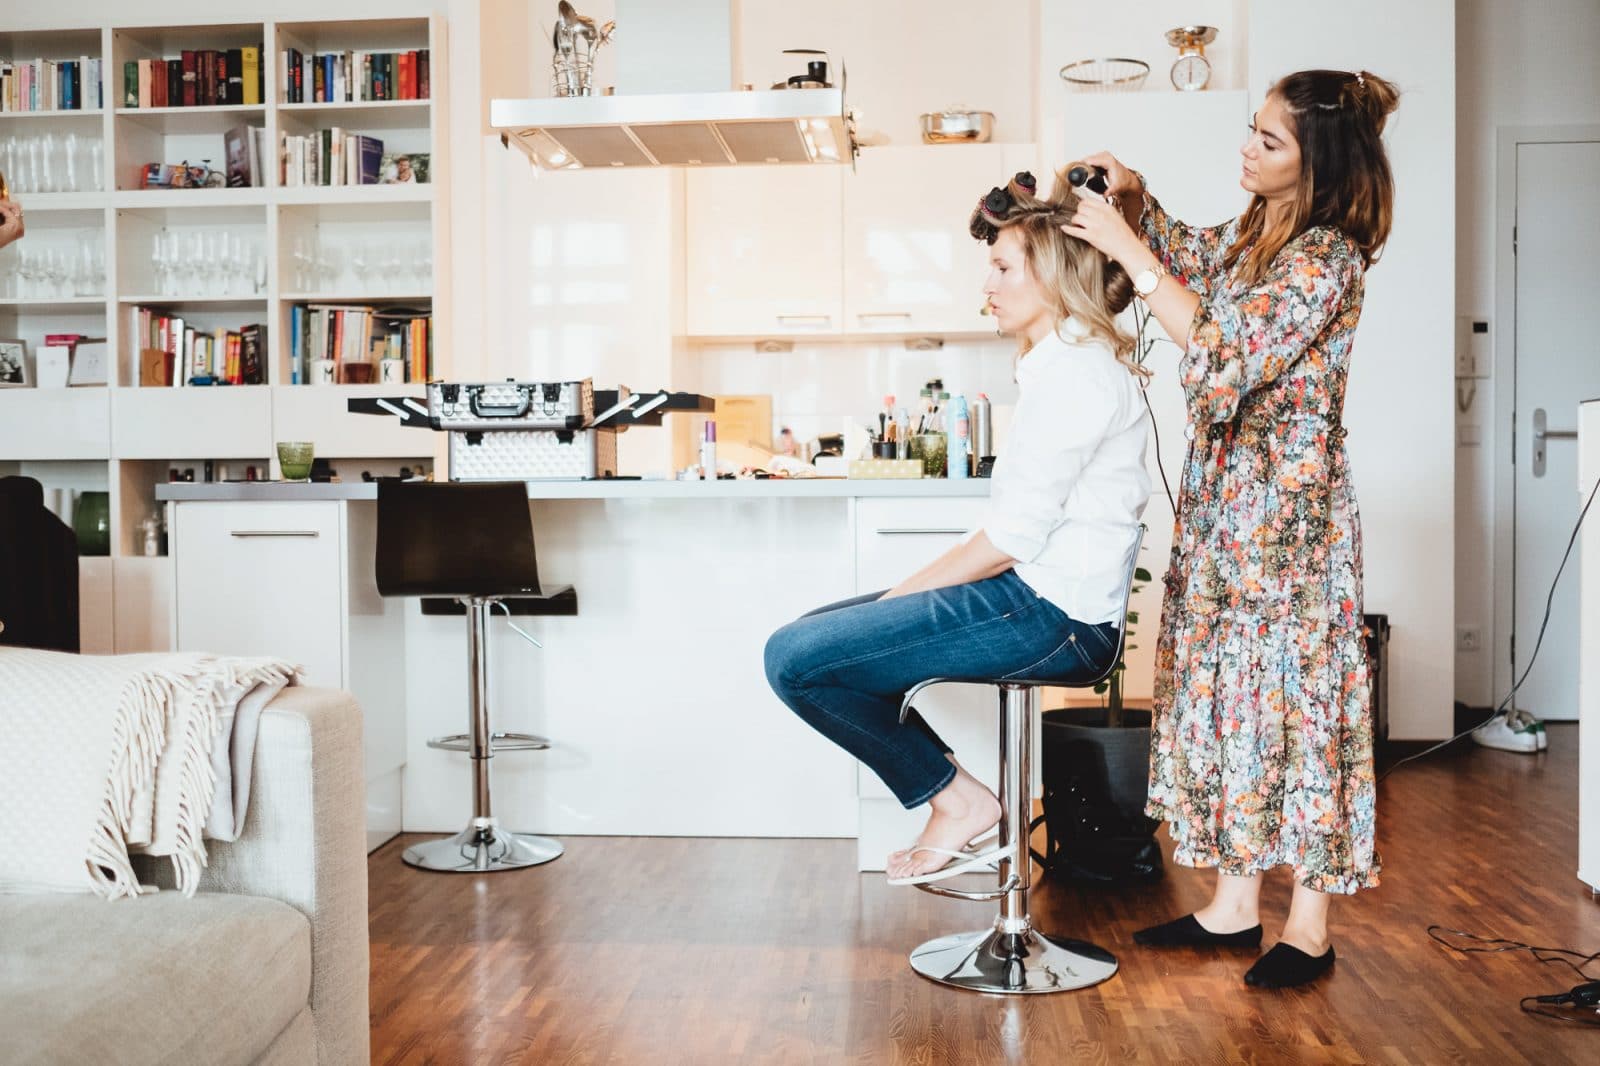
(773, 488)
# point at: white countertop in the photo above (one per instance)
(773, 488)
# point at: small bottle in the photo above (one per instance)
(982, 429)
(956, 463)
(708, 451)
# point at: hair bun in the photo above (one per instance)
(1376, 97)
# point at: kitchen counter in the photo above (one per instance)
(654, 694)
(773, 488)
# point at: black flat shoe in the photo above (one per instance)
(1286, 966)
(1187, 932)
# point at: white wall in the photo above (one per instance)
(1519, 64)
(1400, 403)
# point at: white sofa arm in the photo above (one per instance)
(304, 842)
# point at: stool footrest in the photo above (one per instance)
(976, 897)
(497, 742)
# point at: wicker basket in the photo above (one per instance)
(1106, 75)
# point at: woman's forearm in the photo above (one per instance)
(972, 560)
(1173, 305)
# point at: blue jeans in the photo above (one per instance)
(844, 668)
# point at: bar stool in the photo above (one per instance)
(473, 543)
(1012, 956)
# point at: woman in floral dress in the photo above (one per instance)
(1261, 750)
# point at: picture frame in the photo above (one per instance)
(14, 370)
(88, 363)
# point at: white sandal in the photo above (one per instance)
(973, 861)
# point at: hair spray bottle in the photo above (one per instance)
(708, 452)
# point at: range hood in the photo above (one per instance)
(680, 129)
(675, 66)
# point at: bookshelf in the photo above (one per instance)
(100, 248)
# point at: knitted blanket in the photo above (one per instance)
(101, 756)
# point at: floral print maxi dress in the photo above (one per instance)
(1261, 747)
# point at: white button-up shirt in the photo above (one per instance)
(1070, 483)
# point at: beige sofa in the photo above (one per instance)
(267, 964)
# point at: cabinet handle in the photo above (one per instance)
(273, 533)
(915, 532)
(787, 320)
(883, 314)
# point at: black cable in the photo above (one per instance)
(1495, 945)
(1549, 600)
(1141, 315)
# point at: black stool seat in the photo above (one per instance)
(464, 548)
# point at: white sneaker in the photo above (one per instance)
(1536, 725)
(1507, 733)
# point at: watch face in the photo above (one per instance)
(1190, 73)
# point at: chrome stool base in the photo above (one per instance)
(1008, 963)
(482, 848)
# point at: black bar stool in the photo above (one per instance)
(473, 543)
(1012, 956)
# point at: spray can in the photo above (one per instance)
(708, 452)
(982, 429)
(960, 443)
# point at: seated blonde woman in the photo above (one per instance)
(1034, 594)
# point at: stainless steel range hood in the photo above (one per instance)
(675, 65)
(680, 129)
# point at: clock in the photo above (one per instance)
(1191, 72)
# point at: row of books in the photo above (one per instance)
(50, 84)
(346, 334)
(175, 352)
(198, 78)
(332, 157)
(346, 77)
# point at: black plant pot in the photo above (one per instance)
(1095, 781)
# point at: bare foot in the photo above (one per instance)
(1215, 918)
(1311, 942)
(962, 811)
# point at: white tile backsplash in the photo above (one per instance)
(823, 388)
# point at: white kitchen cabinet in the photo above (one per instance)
(262, 579)
(894, 538)
(910, 264)
(764, 251)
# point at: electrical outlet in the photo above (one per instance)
(1469, 638)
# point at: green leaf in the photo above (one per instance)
(1133, 617)
(1141, 574)
(1100, 689)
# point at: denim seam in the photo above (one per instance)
(877, 740)
(1034, 666)
(1111, 645)
(902, 648)
(944, 783)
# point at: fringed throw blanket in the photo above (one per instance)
(101, 756)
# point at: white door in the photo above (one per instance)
(1557, 366)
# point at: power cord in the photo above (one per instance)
(520, 631)
(1585, 996)
(1549, 600)
(1141, 317)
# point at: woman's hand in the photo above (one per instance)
(10, 221)
(1119, 179)
(1103, 226)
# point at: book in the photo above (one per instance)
(236, 144)
(250, 75)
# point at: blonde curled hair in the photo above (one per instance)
(1077, 280)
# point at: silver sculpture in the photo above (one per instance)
(575, 39)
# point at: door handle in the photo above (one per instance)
(273, 533)
(1542, 433)
(916, 532)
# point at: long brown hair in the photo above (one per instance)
(1345, 179)
(1077, 280)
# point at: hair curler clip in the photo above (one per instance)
(1082, 175)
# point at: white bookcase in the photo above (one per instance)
(365, 244)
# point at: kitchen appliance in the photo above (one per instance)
(676, 103)
(816, 75)
(530, 430)
(956, 126)
(1106, 75)
(1191, 72)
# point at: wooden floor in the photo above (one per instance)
(645, 951)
